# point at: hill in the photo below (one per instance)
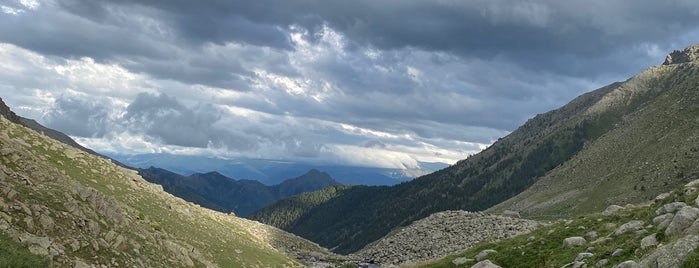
(218, 192)
(663, 232)
(63, 207)
(657, 106)
(654, 148)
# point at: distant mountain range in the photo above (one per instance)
(271, 172)
(218, 192)
(623, 143)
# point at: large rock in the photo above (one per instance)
(662, 221)
(682, 220)
(583, 255)
(670, 208)
(627, 264)
(611, 210)
(671, 255)
(460, 261)
(484, 254)
(629, 227)
(574, 241)
(683, 56)
(485, 264)
(649, 241)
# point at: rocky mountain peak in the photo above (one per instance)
(681, 56)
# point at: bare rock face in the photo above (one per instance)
(687, 55)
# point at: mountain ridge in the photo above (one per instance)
(75, 209)
(512, 164)
(215, 191)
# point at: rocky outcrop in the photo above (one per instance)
(442, 234)
(682, 56)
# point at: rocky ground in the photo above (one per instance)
(442, 234)
(79, 210)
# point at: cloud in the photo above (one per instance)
(367, 82)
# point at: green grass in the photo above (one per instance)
(151, 215)
(546, 245)
(15, 255)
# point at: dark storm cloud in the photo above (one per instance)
(164, 117)
(79, 116)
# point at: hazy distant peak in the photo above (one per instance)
(689, 54)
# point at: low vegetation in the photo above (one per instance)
(543, 247)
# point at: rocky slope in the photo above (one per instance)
(6, 112)
(218, 192)
(659, 233)
(442, 234)
(625, 142)
(653, 149)
(75, 209)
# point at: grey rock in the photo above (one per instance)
(460, 261)
(602, 263)
(662, 221)
(631, 226)
(46, 222)
(579, 264)
(682, 220)
(694, 183)
(670, 208)
(485, 264)
(484, 254)
(574, 241)
(583, 255)
(649, 241)
(617, 252)
(611, 210)
(662, 197)
(671, 255)
(627, 264)
(689, 191)
(511, 213)
(688, 55)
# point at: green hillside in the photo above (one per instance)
(543, 144)
(70, 208)
(654, 148)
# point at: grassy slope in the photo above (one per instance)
(653, 149)
(361, 215)
(544, 244)
(156, 221)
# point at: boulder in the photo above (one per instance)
(602, 263)
(591, 235)
(662, 221)
(649, 241)
(662, 197)
(670, 208)
(574, 241)
(671, 255)
(460, 261)
(611, 210)
(631, 226)
(617, 252)
(485, 264)
(484, 254)
(627, 264)
(511, 213)
(682, 220)
(583, 255)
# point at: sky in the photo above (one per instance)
(380, 83)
